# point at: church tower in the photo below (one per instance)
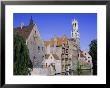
(74, 33)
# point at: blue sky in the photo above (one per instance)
(51, 24)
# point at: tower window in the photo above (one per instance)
(75, 24)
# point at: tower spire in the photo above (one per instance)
(31, 21)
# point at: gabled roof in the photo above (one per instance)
(82, 55)
(54, 55)
(25, 31)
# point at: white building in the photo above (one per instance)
(52, 63)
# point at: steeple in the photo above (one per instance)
(31, 21)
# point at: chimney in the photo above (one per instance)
(22, 24)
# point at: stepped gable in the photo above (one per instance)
(56, 40)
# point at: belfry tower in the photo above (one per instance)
(74, 33)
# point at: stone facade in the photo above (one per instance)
(65, 60)
(52, 63)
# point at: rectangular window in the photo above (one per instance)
(42, 48)
(38, 49)
(63, 50)
(66, 56)
(66, 50)
(63, 56)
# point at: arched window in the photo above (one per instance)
(75, 24)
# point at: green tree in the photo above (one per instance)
(93, 53)
(22, 62)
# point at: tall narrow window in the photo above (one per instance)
(38, 49)
(66, 50)
(46, 64)
(75, 24)
(42, 48)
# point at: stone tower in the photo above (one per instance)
(74, 47)
(74, 33)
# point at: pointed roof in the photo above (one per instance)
(31, 21)
(54, 55)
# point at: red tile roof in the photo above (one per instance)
(25, 31)
(60, 41)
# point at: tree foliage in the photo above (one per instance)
(93, 53)
(22, 62)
